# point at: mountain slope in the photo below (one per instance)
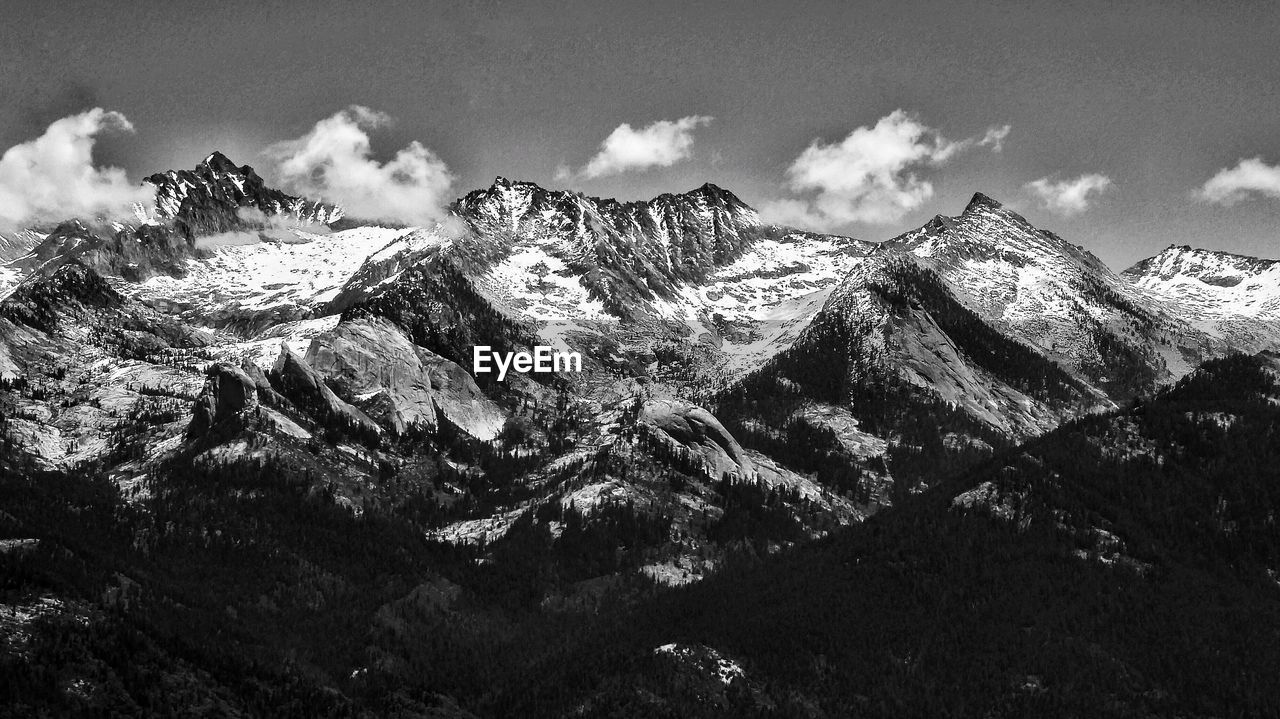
(1123, 565)
(905, 365)
(1230, 296)
(625, 250)
(1057, 297)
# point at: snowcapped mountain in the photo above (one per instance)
(233, 374)
(335, 355)
(625, 250)
(741, 382)
(1057, 297)
(214, 197)
(215, 204)
(17, 244)
(1232, 297)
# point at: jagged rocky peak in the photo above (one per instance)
(630, 250)
(988, 229)
(209, 198)
(516, 199)
(1211, 267)
(218, 162)
(982, 201)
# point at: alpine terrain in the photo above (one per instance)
(249, 468)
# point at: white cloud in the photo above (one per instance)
(333, 162)
(1249, 178)
(660, 144)
(53, 177)
(995, 137)
(872, 175)
(1069, 197)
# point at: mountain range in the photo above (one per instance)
(242, 376)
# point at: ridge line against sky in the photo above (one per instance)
(1125, 129)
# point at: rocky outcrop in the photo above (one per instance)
(401, 384)
(228, 392)
(699, 432)
(306, 389)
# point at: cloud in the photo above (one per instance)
(872, 175)
(334, 162)
(1069, 197)
(53, 177)
(263, 228)
(660, 144)
(1249, 178)
(284, 221)
(995, 137)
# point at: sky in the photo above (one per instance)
(1123, 127)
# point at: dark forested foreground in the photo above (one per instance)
(1122, 565)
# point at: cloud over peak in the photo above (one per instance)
(659, 144)
(1069, 197)
(873, 175)
(334, 162)
(1249, 178)
(53, 176)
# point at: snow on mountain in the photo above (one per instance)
(13, 247)
(249, 287)
(84, 359)
(209, 199)
(833, 365)
(1229, 296)
(16, 244)
(9, 278)
(699, 264)
(890, 320)
(762, 300)
(623, 251)
(1056, 296)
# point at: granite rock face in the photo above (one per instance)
(298, 382)
(697, 430)
(228, 392)
(405, 386)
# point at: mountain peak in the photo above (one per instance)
(221, 163)
(1214, 267)
(206, 199)
(981, 201)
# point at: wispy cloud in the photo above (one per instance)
(660, 144)
(1069, 197)
(1249, 178)
(334, 162)
(53, 176)
(995, 137)
(872, 175)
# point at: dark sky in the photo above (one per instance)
(1157, 96)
